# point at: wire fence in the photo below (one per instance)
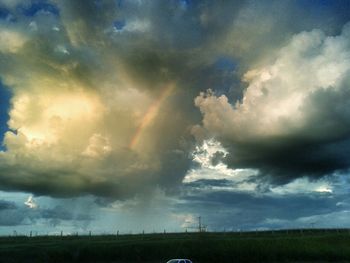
(117, 233)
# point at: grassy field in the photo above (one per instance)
(278, 246)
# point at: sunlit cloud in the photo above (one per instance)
(144, 115)
(31, 203)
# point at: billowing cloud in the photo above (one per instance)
(293, 119)
(102, 92)
(80, 120)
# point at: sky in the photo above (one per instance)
(135, 115)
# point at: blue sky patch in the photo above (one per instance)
(225, 64)
(4, 13)
(5, 96)
(318, 7)
(37, 7)
(119, 24)
(184, 3)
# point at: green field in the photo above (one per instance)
(278, 246)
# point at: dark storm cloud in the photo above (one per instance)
(159, 42)
(295, 159)
(4, 205)
(12, 218)
(12, 214)
(80, 55)
(233, 210)
(117, 59)
(62, 213)
(289, 124)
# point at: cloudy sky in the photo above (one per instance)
(137, 115)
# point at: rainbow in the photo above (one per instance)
(150, 114)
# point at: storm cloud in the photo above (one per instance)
(15, 214)
(103, 92)
(293, 119)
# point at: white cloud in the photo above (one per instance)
(277, 98)
(31, 203)
(304, 186)
(203, 155)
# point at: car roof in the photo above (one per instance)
(179, 259)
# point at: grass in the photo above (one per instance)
(278, 246)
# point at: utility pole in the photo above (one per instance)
(200, 227)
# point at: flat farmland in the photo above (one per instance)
(307, 245)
